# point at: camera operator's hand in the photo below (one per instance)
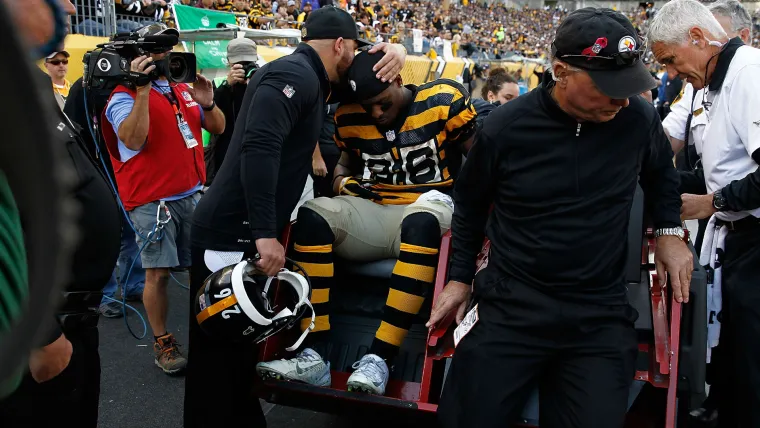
(142, 64)
(236, 75)
(202, 91)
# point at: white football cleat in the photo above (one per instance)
(370, 375)
(307, 367)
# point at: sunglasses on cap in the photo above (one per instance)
(58, 61)
(621, 58)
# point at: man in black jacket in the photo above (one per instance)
(560, 167)
(255, 192)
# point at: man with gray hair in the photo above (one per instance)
(684, 124)
(736, 22)
(689, 41)
(560, 167)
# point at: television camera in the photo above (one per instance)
(109, 64)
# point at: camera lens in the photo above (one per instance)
(178, 68)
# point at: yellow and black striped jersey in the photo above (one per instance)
(258, 11)
(227, 7)
(422, 152)
(241, 16)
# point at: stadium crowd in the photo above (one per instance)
(476, 30)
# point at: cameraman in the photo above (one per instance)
(241, 56)
(153, 134)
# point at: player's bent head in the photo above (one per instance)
(382, 100)
(332, 32)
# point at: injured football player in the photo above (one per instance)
(402, 147)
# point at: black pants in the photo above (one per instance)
(739, 399)
(218, 372)
(581, 355)
(70, 399)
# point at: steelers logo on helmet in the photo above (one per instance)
(236, 304)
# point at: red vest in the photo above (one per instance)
(165, 166)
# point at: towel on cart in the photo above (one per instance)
(711, 257)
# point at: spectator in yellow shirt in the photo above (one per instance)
(305, 14)
(57, 65)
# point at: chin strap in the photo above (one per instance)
(305, 332)
(299, 283)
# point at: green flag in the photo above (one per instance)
(210, 54)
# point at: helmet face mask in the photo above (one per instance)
(235, 303)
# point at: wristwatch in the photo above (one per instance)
(209, 108)
(719, 201)
(670, 231)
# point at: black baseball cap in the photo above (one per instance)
(603, 43)
(363, 80)
(331, 23)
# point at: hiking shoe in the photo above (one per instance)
(168, 357)
(370, 375)
(111, 310)
(307, 367)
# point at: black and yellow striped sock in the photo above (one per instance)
(413, 274)
(313, 251)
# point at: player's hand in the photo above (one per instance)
(142, 64)
(389, 67)
(49, 361)
(236, 75)
(272, 256)
(202, 91)
(455, 296)
(319, 167)
(351, 187)
(674, 257)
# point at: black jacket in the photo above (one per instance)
(97, 99)
(99, 227)
(269, 158)
(561, 194)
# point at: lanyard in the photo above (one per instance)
(173, 101)
(692, 166)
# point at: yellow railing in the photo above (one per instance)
(417, 70)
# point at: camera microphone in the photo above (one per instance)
(167, 40)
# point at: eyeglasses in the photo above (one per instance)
(59, 61)
(620, 58)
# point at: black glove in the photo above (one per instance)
(352, 187)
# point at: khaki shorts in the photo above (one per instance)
(365, 231)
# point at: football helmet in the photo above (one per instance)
(234, 304)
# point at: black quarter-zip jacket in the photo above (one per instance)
(561, 193)
(268, 160)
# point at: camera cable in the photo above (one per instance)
(155, 235)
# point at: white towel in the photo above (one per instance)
(711, 257)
